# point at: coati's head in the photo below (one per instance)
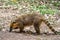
(14, 25)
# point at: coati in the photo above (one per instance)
(34, 19)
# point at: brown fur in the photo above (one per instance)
(30, 19)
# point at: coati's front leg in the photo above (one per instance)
(10, 29)
(21, 27)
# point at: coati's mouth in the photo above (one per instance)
(16, 28)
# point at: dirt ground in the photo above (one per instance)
(23, 36)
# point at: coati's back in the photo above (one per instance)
(28, 19)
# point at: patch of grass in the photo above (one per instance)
(43, 9)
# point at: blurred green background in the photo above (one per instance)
(43, 6)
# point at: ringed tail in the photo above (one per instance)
(50, 27)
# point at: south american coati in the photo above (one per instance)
(34, 19)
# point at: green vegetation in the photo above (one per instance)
(43, 8)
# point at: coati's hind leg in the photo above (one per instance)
(50, 27)
(36, 26)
